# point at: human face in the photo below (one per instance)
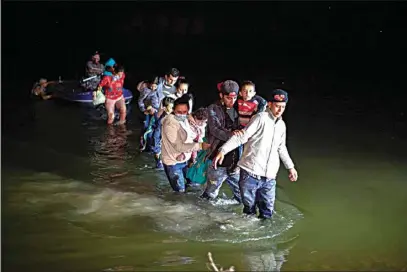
(277, 108)
(153, 87)
(247, 92)
(182, 88)
(201, 123)
(170, 80)
(228, 100)
(96, 58)
(181, 109)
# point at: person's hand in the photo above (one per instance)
(238, 132)
(152, 111)
(146, 112)
(292, 174)
(191, 120)
(218, 159)
(205, 146)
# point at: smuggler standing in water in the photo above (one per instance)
(264, 140)
(40, 89)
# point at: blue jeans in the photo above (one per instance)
(215, 179)
(260, 193)
(176, 175)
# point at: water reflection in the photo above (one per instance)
(109, 152)
(270, 258)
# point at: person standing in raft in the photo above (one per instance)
(264, 138)
(175, 151)
(94, 68)
(112, 84)
(223, 123)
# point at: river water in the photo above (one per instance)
(78, 196)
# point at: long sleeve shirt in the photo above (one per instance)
(173, 141)
(264, 140)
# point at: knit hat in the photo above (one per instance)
(230, 88)
(277, 95)
(111, 62)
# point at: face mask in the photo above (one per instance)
(181, 117)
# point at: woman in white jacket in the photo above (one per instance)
(174, 137)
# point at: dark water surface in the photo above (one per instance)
(78, 196)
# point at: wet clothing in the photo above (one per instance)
(215, 179)
(120, 104)
(257, 193)
(176, 175)
(221, 124)
(249, 108)
(264, 140)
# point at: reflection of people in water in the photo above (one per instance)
(268, 260)
(112, 152)
(40, 89)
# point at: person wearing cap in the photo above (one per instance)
(40, 89)
(223, 123)
(176, 151)
(264, 140)
(94, 68)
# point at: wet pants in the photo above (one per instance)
(215, 179)
(257, 192)
(176, 175)
(120, 105)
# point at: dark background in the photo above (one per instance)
(318, 49)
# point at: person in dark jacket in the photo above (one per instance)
(223, 123)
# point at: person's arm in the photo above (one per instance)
(283, 152)
(215, 127)
(170, 130)
(241, 138)
(143, 95)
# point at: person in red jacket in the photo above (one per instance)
(112, 85)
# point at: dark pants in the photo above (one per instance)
(260, 193)
(215, 179)
(176, 175)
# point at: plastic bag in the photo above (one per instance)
(100, 98)
(197, 172)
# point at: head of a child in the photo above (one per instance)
(168, 103)
(153, 85)
(247, 90)
(119, 71)
(182, 87)
(200, 116)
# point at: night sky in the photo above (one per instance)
(204, 39)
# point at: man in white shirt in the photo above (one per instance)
(264, 140)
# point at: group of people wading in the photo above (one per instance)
(240, 139)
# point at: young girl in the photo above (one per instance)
(195, 131)
(112, 84)
(183, 88)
